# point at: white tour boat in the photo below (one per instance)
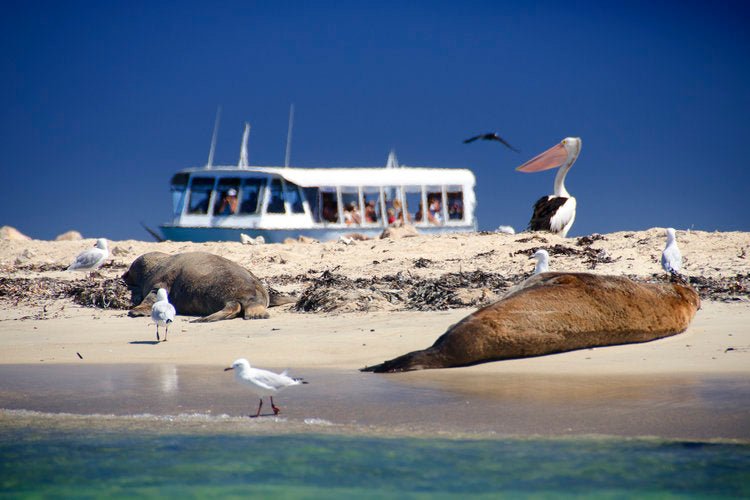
(218, 203)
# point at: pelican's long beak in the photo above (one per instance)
(229, 368)
(552, 158)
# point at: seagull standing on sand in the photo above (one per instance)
(262, 382)
(671, 258)
(542, 261)
(491, 136)
(91, 259)
(556, 212)
(162, 312)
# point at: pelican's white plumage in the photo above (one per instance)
(91, 259)
(262, 382)
(162, 312)
(542, 261)
(556, 212)
(671, 258)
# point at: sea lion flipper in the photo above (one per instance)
(255, 311)
(231, 310)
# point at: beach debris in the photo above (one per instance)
(262, 382)
(79, 355)
(10, 233)
(590, 239)
(506, 230)
(394, 233)
(249, 240)
(162, 312)
(71, 235)
(422, 262)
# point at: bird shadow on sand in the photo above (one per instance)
(145, 342)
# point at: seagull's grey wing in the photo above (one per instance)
(86, 259)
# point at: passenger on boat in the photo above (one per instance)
(351, 214)
(228, 203)
(434, 213)
(371, 215)
(391, 216)
(398, 213)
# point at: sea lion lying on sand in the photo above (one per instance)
(199, 284)
(557, 312)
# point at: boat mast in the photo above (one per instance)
(213, 138)
(289, 136)
(243, 149)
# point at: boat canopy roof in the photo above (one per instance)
(352, 176)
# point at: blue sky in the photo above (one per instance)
(103, 101)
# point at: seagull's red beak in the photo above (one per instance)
(552, 158)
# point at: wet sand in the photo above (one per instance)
(441, 403)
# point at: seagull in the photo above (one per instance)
(262, 382)
(491, 136)
(542, 261)
(555, 213)
(162, 312)
(91, 259)
(671, 258)
(506, 229)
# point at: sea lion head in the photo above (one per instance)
(138, 271)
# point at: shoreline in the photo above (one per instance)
(684, 383)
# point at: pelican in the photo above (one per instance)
(671, 258)
(555, 212)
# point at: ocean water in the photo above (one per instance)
(38, 460)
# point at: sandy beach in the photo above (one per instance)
(359, 315)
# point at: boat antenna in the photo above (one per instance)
(289, 136)
(392, 160)
(243, 149)
(213, 138)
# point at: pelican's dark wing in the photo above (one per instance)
(544, 209)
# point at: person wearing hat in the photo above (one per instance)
(228, 203)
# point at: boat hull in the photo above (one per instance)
(203, 234)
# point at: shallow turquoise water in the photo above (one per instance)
(35, 461)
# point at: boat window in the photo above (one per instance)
(350, 201)
(435, 205)
(373, 209)
(179, 189)
(455, 204)
(200, 194)
(413, 208)
(329, 206)
(250, 193)
(294, 198)
(227, 196)
(312, 195)
(276, 197)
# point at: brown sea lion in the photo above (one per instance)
(199, 284)
(557, 312)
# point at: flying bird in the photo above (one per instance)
(556, 212)
(491, 136)
(262, 382)
(542, 261)
(91, 259)
(162, 312)
(671, 258)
